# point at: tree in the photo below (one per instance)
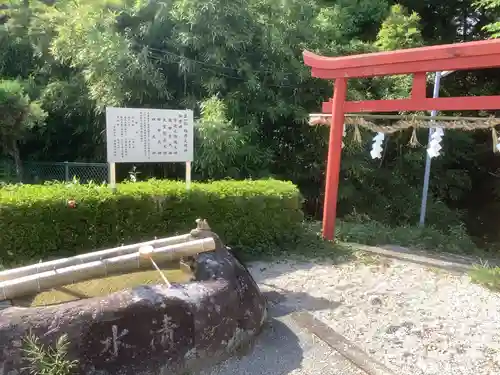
(222, 149)
(90, 42)
(488, 5)
(238, 65)
(18, 115)
(399, 30)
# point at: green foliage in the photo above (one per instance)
(77, 57)
(486, 276)
(399, 30)
(18, 112)
(362, 230)
(90, 42)
(428, 238)
(222, 149)
(36, 222)
(18, 115)
(44, 360)
(312, 245)
(487, 5)
(390, 190)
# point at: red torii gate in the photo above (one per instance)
(416, 61)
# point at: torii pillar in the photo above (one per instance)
(415, 61)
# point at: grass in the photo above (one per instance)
(104, 286)
(45, 360)
(374, 233)
(486, 276)
(455, 240)
(312, 245)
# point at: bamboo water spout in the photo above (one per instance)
(35, 283)
(89, 257)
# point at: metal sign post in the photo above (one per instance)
(427, 172)
(188, 175)
(112, 176)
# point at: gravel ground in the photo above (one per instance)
(413, 319)
(283, 348)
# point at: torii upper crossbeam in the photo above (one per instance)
(416, 61)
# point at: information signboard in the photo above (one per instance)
(137, 135)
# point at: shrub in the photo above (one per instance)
(37, 222)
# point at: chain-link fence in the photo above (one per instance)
(39, 172)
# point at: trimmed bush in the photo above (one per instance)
(37, 222)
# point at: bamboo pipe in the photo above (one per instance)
(32, 284)
(16, 273)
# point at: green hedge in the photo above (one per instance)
(36, 222)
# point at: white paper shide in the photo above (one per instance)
(378, 140)
(137, 135)
(435, 143)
